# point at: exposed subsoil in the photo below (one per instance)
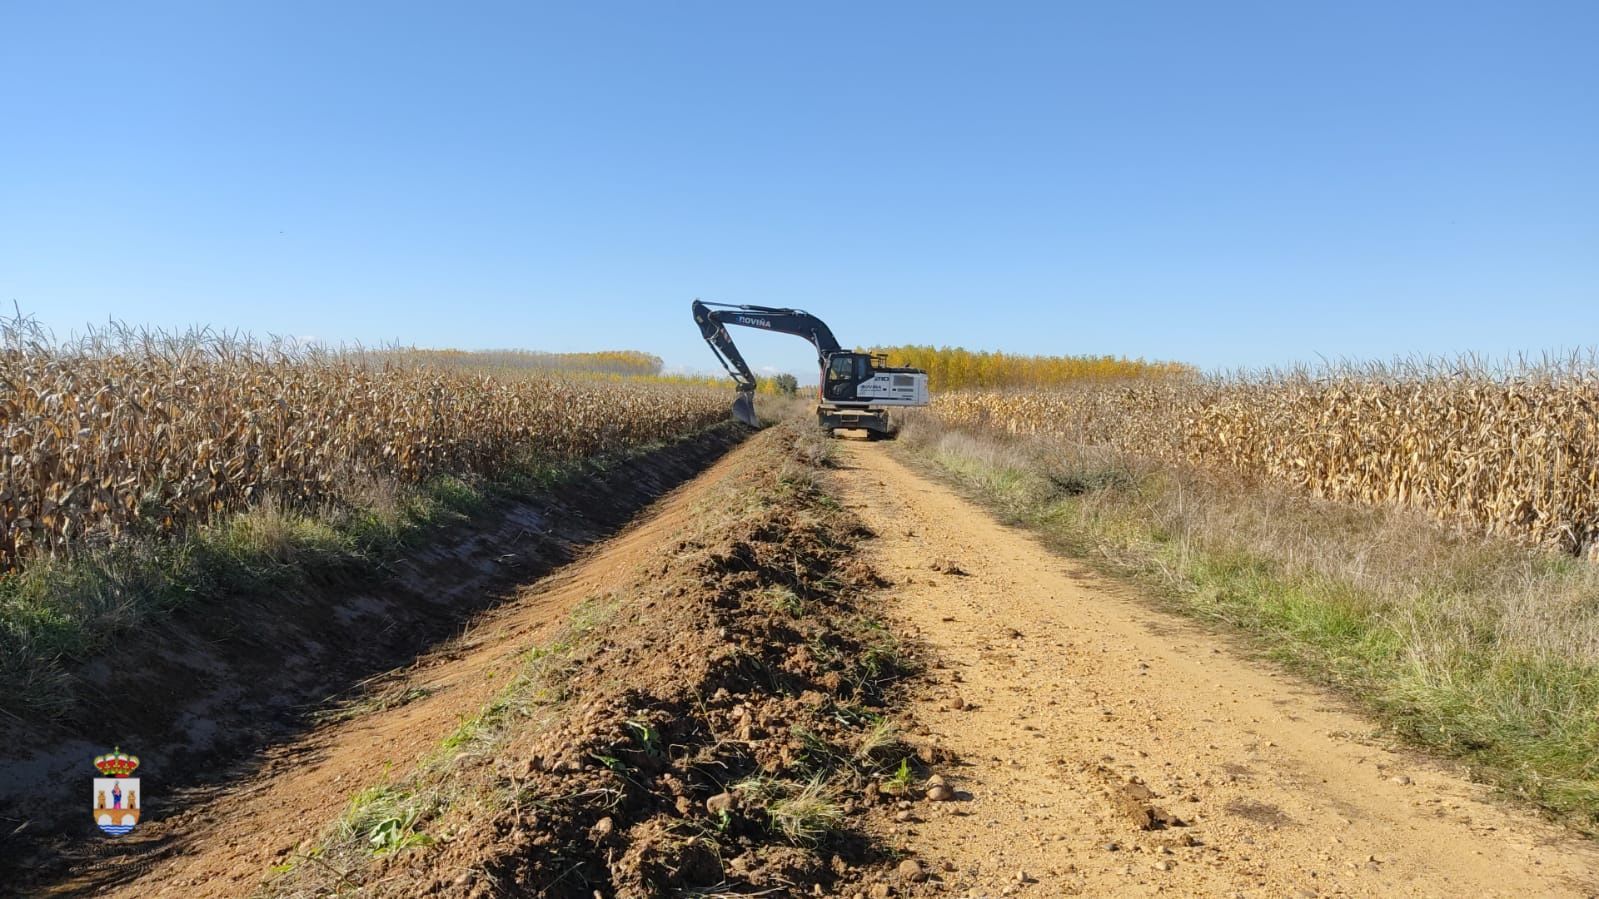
(217, 697)
(1109, 748)
(708, 737)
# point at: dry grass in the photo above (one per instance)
(1466, 643)
(806, 814)
(132, 432)
(1512, 452)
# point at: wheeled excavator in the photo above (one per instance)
(854, 389)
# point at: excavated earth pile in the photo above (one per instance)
(723, 723)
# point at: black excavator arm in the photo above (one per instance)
(713, 319)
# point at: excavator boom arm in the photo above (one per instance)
(713, 319)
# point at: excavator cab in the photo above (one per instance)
(867, 378)
(844, 372)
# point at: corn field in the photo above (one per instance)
(1513, 453)
(129, 431)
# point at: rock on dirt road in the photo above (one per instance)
(1108, 748)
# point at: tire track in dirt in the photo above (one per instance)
(1109, 748)
(226, 844)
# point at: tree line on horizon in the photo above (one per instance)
(627, 363)
(948, 368)
(630, 365)
(957, 368)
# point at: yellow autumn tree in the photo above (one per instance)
(957, 368)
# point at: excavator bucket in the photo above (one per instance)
(744, 409)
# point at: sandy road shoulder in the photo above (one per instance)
(1110, 748)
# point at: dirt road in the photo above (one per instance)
(1108, 748)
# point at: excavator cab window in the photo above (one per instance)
(844, 371)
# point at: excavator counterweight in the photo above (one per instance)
(853, 388)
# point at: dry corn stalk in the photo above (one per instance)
(1510, 453)
(149, 431)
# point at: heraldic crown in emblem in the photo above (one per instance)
(116, 763)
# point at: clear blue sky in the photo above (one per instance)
(1224, 183)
